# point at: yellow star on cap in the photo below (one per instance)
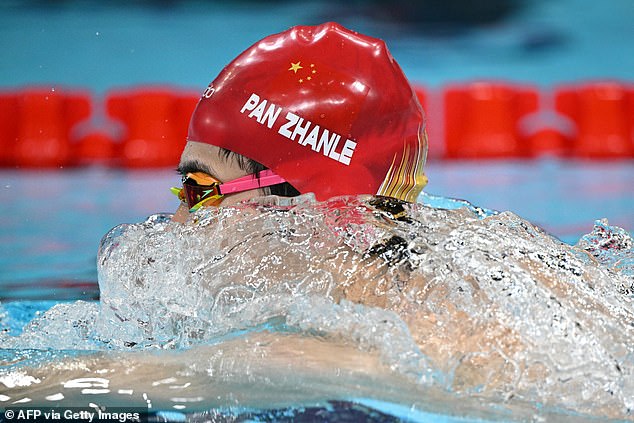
(295, 67)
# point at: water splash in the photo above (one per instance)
(479, 304)
(613, 248)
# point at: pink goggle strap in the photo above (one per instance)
(249, 182)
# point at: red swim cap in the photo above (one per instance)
(326, 108)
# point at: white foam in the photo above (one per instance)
(473, 303)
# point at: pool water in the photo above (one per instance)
(234, 347)
(53, 220)
(57, 346)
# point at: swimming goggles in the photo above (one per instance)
(200, 189)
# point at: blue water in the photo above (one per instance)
(99, 45)
(76, 319)
(104, 45)
(52, 221)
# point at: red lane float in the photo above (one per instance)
(8, 126)
(155, 122)
(44, 118)
(549, 141)
(96, 147)
(481, 119)
(147, 126)
(604, 115)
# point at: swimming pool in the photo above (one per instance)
(49, 251)
(294, 362)
(41, 209)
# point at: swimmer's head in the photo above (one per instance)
(327, 109)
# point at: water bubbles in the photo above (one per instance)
(459, 298)
(508, 299)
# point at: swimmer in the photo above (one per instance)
(510, 316)
(315, 109)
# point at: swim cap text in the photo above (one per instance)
(298, 129)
